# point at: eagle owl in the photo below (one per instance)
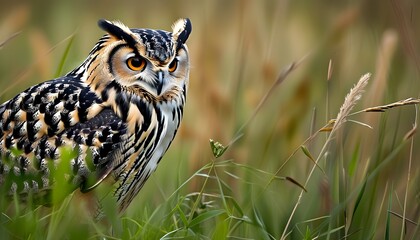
(118, 112)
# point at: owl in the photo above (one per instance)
(113, 117)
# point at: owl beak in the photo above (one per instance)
(160, 82)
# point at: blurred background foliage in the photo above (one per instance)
(237, 50)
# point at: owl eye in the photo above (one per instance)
(136, 63)
(173, 65)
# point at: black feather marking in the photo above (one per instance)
(173, 114)
(31, 130)
(146, 113)
(184, 93)
(90, 137)
(16, 130)
(104, 135)
(20, 144)
(111, 54)
(105, 150)
(65, 118)
(26, 102)
(86, 98)
(179, 114)
(112, 85)
(22, 162)
(159, 126)
(40, 151)
(51, 131)
(137, 132)
(6, 124)
(8, 142)
(48, 117)
(123, 105)
(82, 114)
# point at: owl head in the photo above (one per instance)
(142, 62)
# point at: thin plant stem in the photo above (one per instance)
(408, 179)
(352, 97)
(283, 75)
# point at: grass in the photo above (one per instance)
(298, 155)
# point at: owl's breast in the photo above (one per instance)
(171, 116)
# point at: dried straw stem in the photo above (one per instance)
(383, 108)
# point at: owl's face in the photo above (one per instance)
(147, 62)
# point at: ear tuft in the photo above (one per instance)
(117, 30)
(181, 30)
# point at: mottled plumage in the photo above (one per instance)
(119, 111)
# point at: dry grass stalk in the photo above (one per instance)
(283, 75)
(383, 108)
(410, 133)
(8, 39)
(329, 73)
(350, 101)
(384, 58)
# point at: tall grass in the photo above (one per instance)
(276, 167)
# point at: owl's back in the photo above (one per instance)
(55, 116)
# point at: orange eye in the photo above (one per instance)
(173, 65)
(136, 63)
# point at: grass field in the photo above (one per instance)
(277, 83)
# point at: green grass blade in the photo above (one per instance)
(206, 216)
(359, 197)
(388, 216)
(63, 59)
(352, 166)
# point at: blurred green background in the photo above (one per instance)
(237, 50)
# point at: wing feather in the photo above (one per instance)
(39, 122)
